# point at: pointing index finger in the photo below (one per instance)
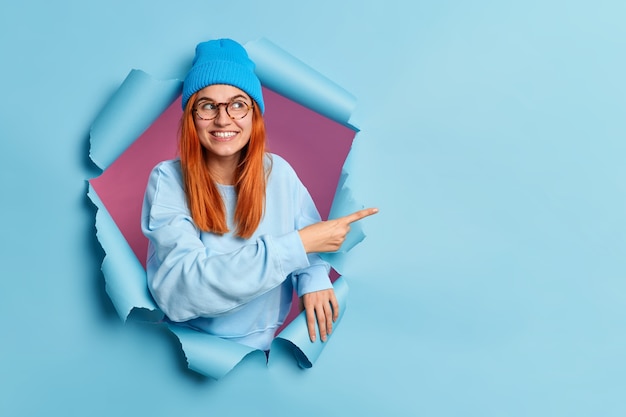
(358, 215)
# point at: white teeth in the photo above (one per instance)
(224, 134)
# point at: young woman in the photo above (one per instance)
(232, 230)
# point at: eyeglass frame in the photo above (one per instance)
(217, 108)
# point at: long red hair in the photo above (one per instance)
(203, 197)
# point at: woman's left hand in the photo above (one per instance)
(320, 306)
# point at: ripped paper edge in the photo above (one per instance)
(139, 101)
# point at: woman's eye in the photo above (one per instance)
(237, 105)
(208, 106)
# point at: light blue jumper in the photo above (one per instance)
(234, 288)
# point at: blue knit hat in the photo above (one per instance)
(222, 61)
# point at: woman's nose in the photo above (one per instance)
(222, 116)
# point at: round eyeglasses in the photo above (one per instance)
(236, 109)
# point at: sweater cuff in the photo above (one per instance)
(314, 278)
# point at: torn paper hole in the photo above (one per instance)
(308, 123)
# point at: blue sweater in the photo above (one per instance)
(234, 288)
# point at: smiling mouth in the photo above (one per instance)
(224, 135)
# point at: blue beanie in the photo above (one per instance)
(222, 61)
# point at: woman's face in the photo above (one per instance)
(223, 137)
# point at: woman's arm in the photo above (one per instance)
(317, 297)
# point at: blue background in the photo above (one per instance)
(492, 281)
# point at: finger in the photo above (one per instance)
(321, 322)
(358, 215)
(335, 305)
(328, 314)
(310, 322)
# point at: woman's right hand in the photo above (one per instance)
(328, 236)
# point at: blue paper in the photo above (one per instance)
(124, 275)
(134, 107)
(287, 75)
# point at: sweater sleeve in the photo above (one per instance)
(189, 280)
